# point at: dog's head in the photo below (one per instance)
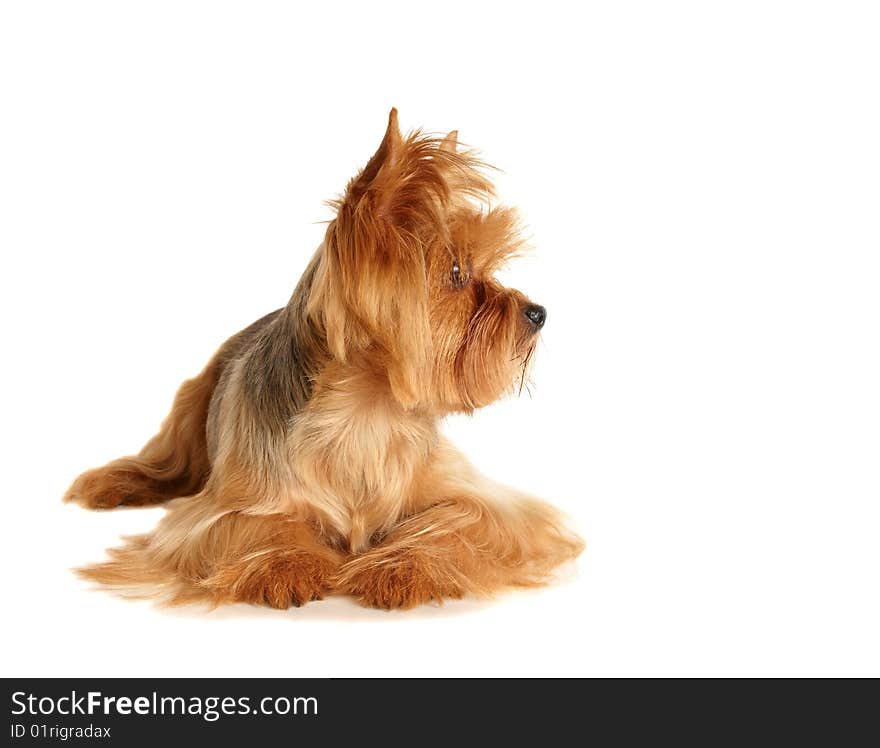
(406, 285)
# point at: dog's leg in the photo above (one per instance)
(173, 463)
(480, 538)
(463, 545)
(200, 553)
(270, 560)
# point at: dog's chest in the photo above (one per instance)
(357, 462)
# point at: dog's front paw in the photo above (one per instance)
(278, 581)
(399, 579)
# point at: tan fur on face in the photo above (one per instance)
(307, 456)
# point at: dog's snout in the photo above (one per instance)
(536, 314)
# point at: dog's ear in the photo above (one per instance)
(371, 290)
(449, 144)
(385, 158)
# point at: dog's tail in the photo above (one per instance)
(173, 463)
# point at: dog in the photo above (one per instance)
(306, 458)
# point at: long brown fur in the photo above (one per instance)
(306, 458)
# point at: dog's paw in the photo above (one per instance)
(278, 581)
(401, 579)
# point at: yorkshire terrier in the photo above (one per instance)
(306, 458)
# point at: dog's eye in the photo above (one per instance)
(458, 278)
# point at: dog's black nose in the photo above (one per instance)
(536, 314)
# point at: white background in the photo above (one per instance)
(701, 181)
